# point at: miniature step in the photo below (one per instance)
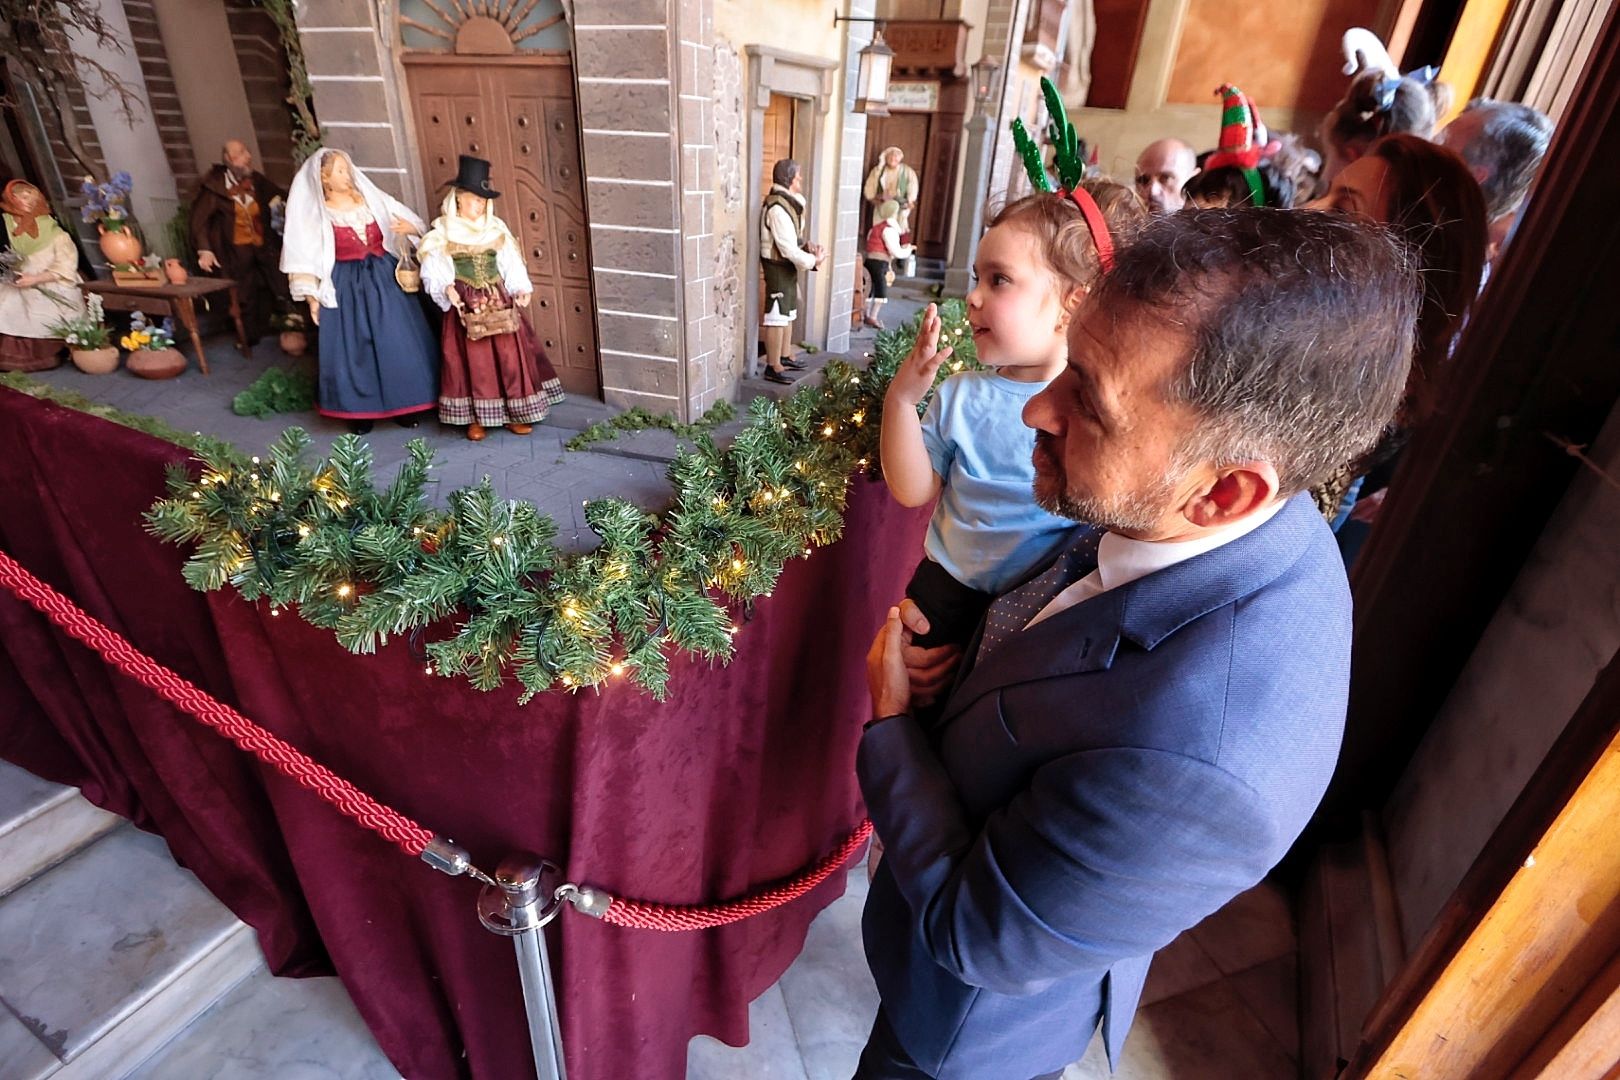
(110, 954)
(41, 824)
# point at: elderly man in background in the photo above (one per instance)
(892, 179)
(1161, 170)
(232, 235)
(1503, 143)
(1140, 732)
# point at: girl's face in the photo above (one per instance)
(1016, 307)
(470, 206)
(1363, 188)
(335, 173)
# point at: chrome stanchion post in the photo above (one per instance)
(516, 906)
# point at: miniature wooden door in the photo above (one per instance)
(518, 113)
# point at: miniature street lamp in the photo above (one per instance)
(983, 72)
(872, 78)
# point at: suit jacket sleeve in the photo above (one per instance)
(1105, 855)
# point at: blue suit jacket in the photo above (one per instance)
(1103, 781)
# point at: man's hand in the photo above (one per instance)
(930, 671)
(522, 299)
(28, 281)
(886, 669)
(916, 375)
(314, 310)
(206, 262)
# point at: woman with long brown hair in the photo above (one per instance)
(1428, 195)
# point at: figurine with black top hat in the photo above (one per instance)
(494, 371)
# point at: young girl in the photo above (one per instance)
(883, 246)
(1033, 268)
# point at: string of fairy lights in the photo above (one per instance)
(478, 587)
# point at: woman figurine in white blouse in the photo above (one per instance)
(343, 240)
(495, 373)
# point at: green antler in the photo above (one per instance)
(1071, 168)
(1031, 155)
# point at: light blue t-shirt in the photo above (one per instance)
(986, 530)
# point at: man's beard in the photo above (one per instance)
(1134, 512)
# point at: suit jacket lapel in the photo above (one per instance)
(1086, 637)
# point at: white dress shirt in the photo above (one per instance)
(1121, 560)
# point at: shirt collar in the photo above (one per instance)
(792, 195)
(1122, 560)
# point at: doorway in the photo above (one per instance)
(519, 113)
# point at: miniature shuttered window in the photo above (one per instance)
(483, 27)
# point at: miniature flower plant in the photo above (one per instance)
(108, 202)
(87, 331)
(144, 335)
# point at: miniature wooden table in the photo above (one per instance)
(178, 301)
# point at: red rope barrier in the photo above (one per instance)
(356, 804)
(350, 800)
(641, 915)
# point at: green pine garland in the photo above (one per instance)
(639, 419)
(276, 391)
(320, 537)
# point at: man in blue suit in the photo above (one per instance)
(1138, 733)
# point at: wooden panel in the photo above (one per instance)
(1522, 962)
(1283, 53)
(1113, 58)
(778, 141)
(522, 118)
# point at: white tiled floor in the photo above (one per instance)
(1221, 1002)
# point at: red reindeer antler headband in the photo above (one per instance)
(1070, 168)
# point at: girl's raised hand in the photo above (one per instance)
(916, 375)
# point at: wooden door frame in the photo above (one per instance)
(1522, 967)
(808, 78)
(1477, 486)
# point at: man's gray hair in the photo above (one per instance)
(1512, 140)
(784, 172)
(1301, 326)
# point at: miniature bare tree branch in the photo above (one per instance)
(42, 42)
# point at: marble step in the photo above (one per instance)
(106, 957)
(41, 824)
(270, 1029)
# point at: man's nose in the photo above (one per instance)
(1039, 413)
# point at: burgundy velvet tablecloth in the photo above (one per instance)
(744, 775)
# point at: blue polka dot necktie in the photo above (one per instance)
(1011, 612)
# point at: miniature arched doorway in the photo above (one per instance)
(496, 80)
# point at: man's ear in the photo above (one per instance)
(1235, 492)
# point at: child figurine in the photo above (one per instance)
(883, 247)
(1033, 269)
(494, 371)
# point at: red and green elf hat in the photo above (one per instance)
(1243, 139)
(1243, 136)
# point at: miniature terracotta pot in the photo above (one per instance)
(156, 363)
(102, 361)
(121, 246)
(293, 342)
(176, 271)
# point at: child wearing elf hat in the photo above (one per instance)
(882, 247)
(1235, 174)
